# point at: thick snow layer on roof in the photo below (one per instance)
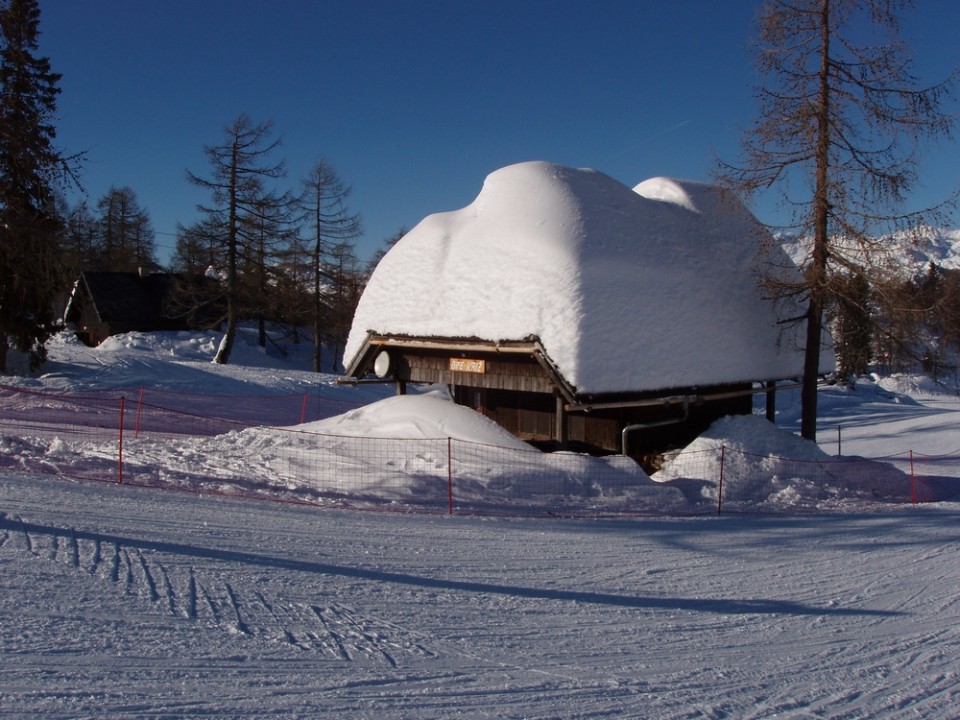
(628, 290)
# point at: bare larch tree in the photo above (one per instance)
(842, 117)
(239, 169)
(330, 228)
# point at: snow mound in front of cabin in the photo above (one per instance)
(429, 416)
(761, 466)
(398, 449)
(747, 434)
(627, 290)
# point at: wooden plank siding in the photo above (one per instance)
(517, 373)
(529, 416)
(516, 390)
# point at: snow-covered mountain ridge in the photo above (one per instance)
(909, 253)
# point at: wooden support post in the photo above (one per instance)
(560, 429)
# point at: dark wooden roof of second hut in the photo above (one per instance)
(121, 297)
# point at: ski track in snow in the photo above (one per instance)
(328, 630)
(125, 602)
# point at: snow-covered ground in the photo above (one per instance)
(133, 602)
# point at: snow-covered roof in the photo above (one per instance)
(627, 290)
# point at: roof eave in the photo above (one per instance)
(374, 343)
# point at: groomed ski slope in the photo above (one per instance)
(123, 602)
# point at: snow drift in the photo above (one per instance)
(428, 416)
(766, 467)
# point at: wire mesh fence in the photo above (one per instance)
(223, 445)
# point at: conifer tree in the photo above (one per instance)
(126, 232)
(30, 169)
(80, 245)
(853, 326)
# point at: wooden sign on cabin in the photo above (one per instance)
(468, 366)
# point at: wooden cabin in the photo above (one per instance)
(579, 313)
(516, 385)
(109, 303)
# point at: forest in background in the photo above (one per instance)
(282, 252)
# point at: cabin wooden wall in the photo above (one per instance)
(515, 372)
(529, 416)
(516, 392)
(532, 417)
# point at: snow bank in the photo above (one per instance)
(905, 387)
(627, 290)
(395, 448)
(428, 416)
(764, 466)
(203, 346)
(182, 361)
(747, 434)
(183, 345)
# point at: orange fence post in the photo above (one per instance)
(723, 452)
(913, 481)
(136, 427)
(450, 475)
(120, 449)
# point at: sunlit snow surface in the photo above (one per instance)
(419, 451)
(128, 602)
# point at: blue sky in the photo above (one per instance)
(415, 102)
